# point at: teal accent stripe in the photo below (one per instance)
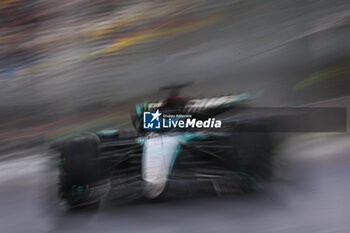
(141, 141)
(108, 132)
(192, 136)
(177, 151)
(138, 109)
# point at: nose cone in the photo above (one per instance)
(154, 189)
(159, 152)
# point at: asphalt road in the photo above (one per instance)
(310, 193)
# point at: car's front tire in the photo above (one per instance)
(82, 178)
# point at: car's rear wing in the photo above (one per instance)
(198, 104)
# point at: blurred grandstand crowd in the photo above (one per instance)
(36, 35)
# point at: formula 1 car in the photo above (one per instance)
(167, 162)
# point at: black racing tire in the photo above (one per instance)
(253, 149)
(82, 177)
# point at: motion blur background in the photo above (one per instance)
(80, 65)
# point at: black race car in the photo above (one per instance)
(211, 151)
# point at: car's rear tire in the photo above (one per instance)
(253, 149)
